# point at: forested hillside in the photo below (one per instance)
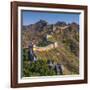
(66, 54)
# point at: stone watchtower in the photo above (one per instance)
(32, 56)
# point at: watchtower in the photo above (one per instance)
(32, 56)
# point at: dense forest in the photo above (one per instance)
(61, 59)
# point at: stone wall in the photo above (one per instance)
(49, 47)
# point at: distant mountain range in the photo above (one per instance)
(36, 32)
(43, 23)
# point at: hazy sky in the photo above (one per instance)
(30, 17)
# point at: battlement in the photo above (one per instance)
(48, 47)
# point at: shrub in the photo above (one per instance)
(39, 68)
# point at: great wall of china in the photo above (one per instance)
(48, 47)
